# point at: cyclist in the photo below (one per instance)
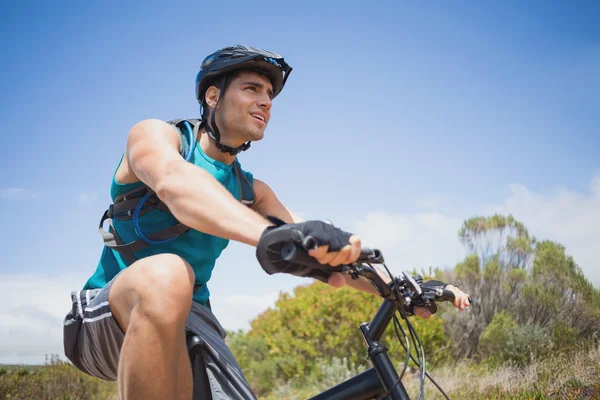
(179, 196)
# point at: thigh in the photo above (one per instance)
(156, 276)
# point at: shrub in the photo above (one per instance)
(506, 341)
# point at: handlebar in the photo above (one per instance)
(407, 289)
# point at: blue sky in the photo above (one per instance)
(394, 111)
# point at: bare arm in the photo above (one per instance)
(267, 203)
(194, 196)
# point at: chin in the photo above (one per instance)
(256, 136)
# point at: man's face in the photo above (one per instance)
(245, 109)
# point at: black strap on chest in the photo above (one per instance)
(125, 204)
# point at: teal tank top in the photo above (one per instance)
(199, 249)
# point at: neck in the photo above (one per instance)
(209, 148)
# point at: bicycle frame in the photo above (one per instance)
(376, 381)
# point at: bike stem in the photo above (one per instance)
(377, 352)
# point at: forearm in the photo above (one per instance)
(364, 285)
(199, 201)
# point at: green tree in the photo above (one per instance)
(500, 250)
(557, 296)
(535, 284)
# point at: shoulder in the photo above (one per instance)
(263, 192)
(147, 141)
(150, 130)
(179, 133)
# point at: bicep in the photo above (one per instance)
(267, 203)
(152, 150)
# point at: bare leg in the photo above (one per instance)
(150, 301)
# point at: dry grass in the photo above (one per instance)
(56, 380)
(566, 376)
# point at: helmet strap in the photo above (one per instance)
(213, 130)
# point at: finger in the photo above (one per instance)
(422, 312)
(457, 300)
(341, 256)
(336, 280)
(462, 301)
(458, 297)
(465, 301)
(328, 258)
(467, 304)
(355, 252)
(319, 252)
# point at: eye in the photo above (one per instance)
(252, 88)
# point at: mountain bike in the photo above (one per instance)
(288, 253)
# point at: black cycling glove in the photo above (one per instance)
(321, 232)
(302, 236)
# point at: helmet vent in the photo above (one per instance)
(236, 47)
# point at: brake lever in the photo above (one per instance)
(422, 296)
(412, 284)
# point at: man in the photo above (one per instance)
(179, 196)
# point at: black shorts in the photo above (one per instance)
(93, 339)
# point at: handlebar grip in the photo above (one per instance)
(292, 252)
(368, 255)
(448, 295)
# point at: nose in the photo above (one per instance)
(265, 101)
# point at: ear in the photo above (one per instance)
(212, 96)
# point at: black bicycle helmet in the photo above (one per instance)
(228, 59)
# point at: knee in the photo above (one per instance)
(165, 287)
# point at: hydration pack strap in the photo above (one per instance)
(113, 240)
(247, 194)
(123, 209)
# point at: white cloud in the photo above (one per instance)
(17, 194)
(236, 312)
(411, 241)
(595, 187)
(31, 311)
